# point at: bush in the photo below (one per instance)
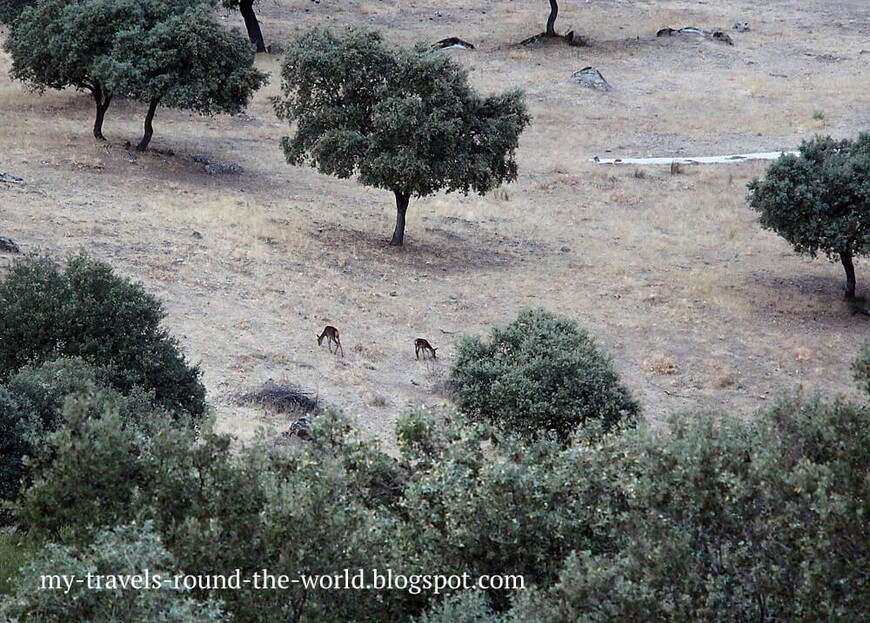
(87, 311)
(540, 373)
(125, 550)
(15, 443)
(732, 523)
(861, 368)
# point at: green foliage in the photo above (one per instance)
(467, 607)
(819, 200)
(732, 523)
(172, 51)
(16, 442)
(514, 509)
(187, 61)
(404, 120)
(11, 9)
(125, 550)
(540, 373)
(15, 552)
(861, 367)
(90, 471)
(87, 311)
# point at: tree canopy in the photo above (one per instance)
(404, 120)
(186, 61)
(174, 52)
(819, 200)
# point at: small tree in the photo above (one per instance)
(405, 120)
(819, 200)
(540, 373)
(63, 43)
(186, 61)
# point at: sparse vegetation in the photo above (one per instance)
(404, 120)
(540, 374)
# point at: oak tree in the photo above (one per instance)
(58, 44)
(405, 120)
(819, 200)
(188, 61)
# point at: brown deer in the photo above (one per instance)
(421, 345)
(331, 335)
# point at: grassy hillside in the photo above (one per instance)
(670, 272)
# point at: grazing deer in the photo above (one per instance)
(331, 335)
(423, 345)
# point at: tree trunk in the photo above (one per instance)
(846, 258)
(102, 101)
(401, 207)
(149, 129)
(246, 8)
(551, 21)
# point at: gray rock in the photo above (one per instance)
(452, 42)
(214, 169)
(8, 245)
(592, 78)
(741, 26)
(10, 179)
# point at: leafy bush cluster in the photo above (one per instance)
(82, 332)
(711, 521)
(541, 372)
(85, 310)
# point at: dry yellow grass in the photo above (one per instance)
(251, 266)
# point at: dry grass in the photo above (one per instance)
(674, 265)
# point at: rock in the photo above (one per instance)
(452, 42)
(719, 35)
(10, 179)
(275, 48)
(572, 38)
(300, 427)
(592, 78)
(741, 26)
(214, 169)
(714, 35)
(200, 159)
(233, 168)
(197, 235)
(8, 245)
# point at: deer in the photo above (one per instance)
(421, 345)
(331, 335)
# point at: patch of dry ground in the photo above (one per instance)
(700, 309)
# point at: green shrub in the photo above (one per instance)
(732, 522)
(15, 552)
(89, 472)
(16, 442)
(87, 311)
(540, 373)
(861, 368)
(121, 551)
